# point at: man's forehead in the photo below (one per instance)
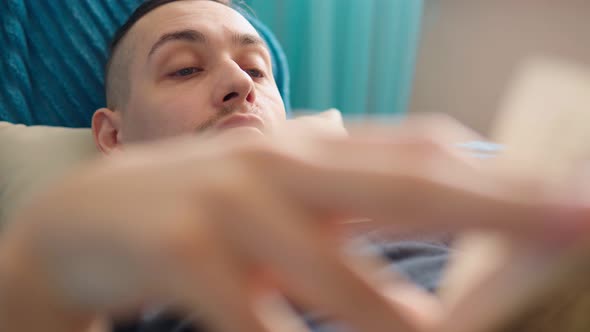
(203, 15)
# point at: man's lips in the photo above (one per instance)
(240, 120)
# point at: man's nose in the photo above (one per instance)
(235, 87)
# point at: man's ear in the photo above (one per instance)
(106, 128)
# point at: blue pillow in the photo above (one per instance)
(53, 55)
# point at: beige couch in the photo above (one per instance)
(31, 157)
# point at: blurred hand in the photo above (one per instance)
(328, 122)
(218, 226)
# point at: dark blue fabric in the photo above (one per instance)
(52, 57)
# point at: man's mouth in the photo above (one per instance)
(240, 120)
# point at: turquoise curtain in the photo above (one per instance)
(355, 55)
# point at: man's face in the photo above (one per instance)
(196, 66)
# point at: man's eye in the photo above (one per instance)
(254, 73)
(184, 72)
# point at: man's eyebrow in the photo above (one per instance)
(247, 39)
(189, 35)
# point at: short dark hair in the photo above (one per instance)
(116, 70)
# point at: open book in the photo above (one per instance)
(545, 127)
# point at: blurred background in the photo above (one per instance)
(397, 56)
(355, 55)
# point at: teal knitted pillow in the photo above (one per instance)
(53, 55)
